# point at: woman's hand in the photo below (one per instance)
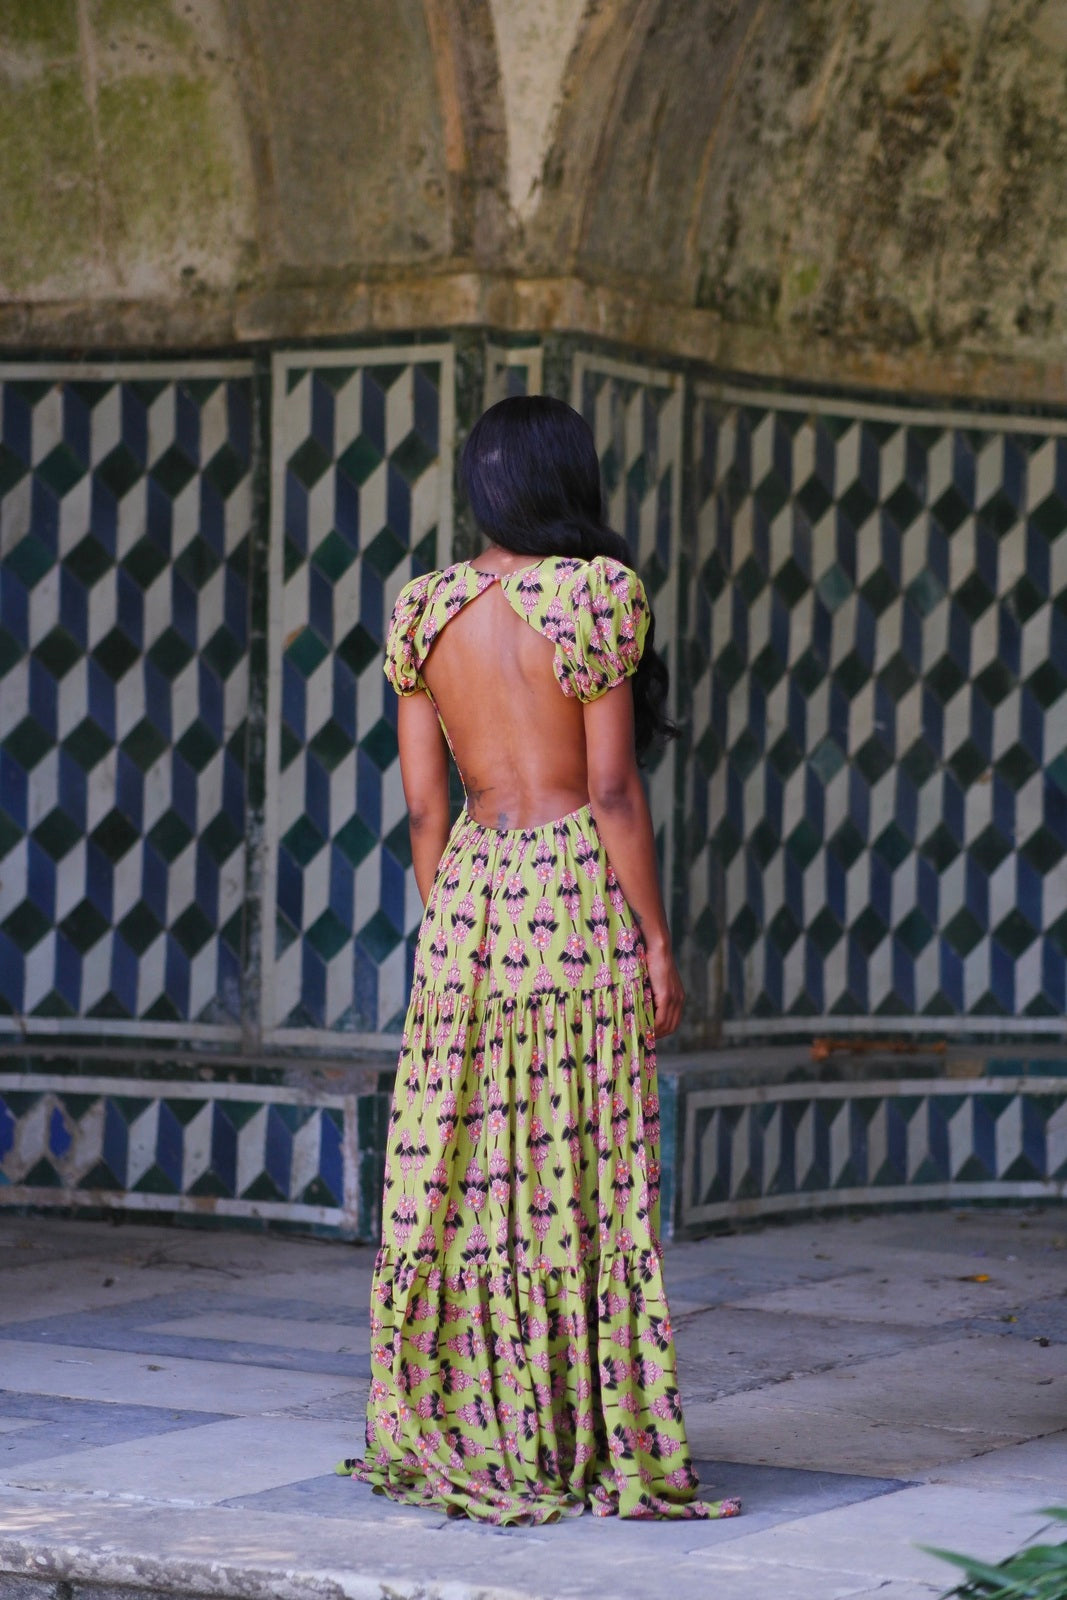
(668, 996)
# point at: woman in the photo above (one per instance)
(523, 1363)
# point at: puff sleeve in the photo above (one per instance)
(402, 657)
(610, 616)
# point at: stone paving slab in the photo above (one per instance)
(177, 1437)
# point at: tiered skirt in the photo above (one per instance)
(522, 1357)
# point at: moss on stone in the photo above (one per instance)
(166, 162)
(47, 179)
(49, 26)
(153, 18)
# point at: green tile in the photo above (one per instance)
(808, 673)
(893, 846)
(359, 460)
(115, 836)
(380, 744)
(197, 746)
(139, 928)
(950, 509)
(84, 927)
(28, 743)
(225, 470)
(61, 470)
(990, 849)
(940, 848)
(826, 760)
(768, 668)
(771, 494)
(328, 935)
(804, 843)
(963, 933)
(746, 755)
(173, 471)
(303, 841)
(945, 679)
(12, 469)
(308, 464)
(1014, 934)
(825, 932)
(903, 506)
(413, 456)
(879, 591)
(1046, 685)
(750, 580)
(223, 652)
(1050, 517)
(995, 683)
(29, 561)
(385, 552)
(852, 673)
(10, 834)
(221, 838)
(170, 654)
(116, 654)
(307, 652)
(869, 930)
(967, 764)
(919, 763)
(974, 597)
(785, 755)
(170, 836)
(914, 932)
(144, 744)
(26, 926)
(847, 844)
(1043, 850)
(925, 592)
(355, 840)
(197, 564)
(144, 562)
(87, 744)
(57, 834)
(764, 844)
(57, 652)
(192, 930)
(330, 746)
(813, 498)
(333, 556)
(897, 676)
(1016, 766)
(856, 504)
(119, 471)
(378, 937)
(873, 760)
(10, 651)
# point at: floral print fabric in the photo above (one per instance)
(595, 612)
(522, 1358)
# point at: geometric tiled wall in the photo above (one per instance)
(635, 413)
(233, 1149)
(125, 522)
(362, 502)
(794, 1147)
(878, 797)
(865, 608)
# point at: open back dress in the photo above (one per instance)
(522, 1356)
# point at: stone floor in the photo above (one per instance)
(172, 1402)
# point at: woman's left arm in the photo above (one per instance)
(424, 771)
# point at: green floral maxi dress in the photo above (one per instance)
(522, 1357)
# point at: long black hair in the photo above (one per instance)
(532, 477)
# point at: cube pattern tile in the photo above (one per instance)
(362, 502)
(842, 1143)
(125, 521)
(269, 1153)
(511, 370)
(635, 413)
(878, 650)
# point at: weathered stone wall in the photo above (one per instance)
(815, 189)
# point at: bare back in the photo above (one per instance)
(519, 742)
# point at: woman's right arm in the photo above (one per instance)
(617, 797)
(424, 773)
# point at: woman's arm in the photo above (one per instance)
(618, 800)
(424, 771)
